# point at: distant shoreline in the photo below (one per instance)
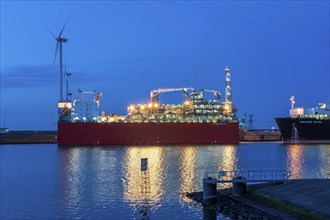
(29, 137)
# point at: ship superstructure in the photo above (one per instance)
(306, 124)
(194, 107)
(322, 111)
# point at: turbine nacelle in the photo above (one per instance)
(62, 40)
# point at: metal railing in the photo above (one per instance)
(249, 175)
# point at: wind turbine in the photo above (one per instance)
(59, 41)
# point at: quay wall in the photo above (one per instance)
(259, 135)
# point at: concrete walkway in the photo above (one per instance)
(309, 194)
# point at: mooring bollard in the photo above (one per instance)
(239, 186)
(209, 189)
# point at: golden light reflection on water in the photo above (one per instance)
(188, 170)
(133, 182)
(295, 161)
(228, 158)
(223, 157)
(228, 162)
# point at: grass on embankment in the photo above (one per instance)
(283, 206)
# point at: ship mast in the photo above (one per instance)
(292, 105)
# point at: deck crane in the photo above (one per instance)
(155, 93)
(215, 92)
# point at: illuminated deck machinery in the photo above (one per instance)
(194, 108)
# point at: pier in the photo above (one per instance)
(239, 180)
(276, 194)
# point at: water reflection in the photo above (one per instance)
(195, 161)
(105, 171)
(71, 162)
(110, 178)
(324, 158)
(188, 169)
(308, 161)
(295, 161)
(96, 172)
(228, 158)
(88, 174)
(134, 180)
(228, 162)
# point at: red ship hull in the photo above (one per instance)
(92, 133)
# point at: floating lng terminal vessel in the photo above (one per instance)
(306, 125)
(196, 121)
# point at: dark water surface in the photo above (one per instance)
(47, 182)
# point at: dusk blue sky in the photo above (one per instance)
(275, 49)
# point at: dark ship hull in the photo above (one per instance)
(94, 133)
(307, 129)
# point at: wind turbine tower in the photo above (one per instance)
(59, 41)
(64, 106)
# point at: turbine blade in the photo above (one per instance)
(64, 26)
(51, 32)
(56, 52)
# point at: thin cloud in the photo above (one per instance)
(24, 76)
(28, 76)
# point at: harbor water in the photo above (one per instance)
(48, 182)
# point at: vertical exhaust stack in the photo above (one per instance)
(228, 96)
